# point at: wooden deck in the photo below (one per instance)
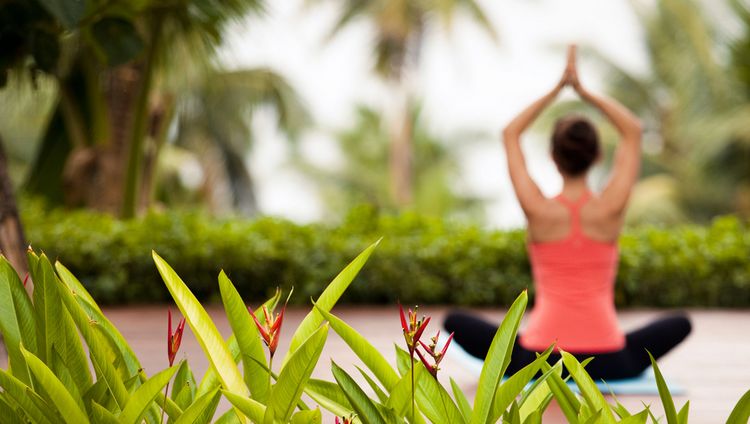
(713, 364)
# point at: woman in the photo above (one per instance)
(572, 244)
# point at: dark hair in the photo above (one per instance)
(575, 145)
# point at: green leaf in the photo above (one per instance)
(202, 410)
(10, 414)
(229, 417)
(102, 415)
(461, 401)
(68, 12)
(328, 395)
(205, 331)
(382, 397)
(509, 390)
(30, 402)
(141, 399)
(682, 416)
(75, 286)
(328, 298)
(60, 397)
(639, 418)
(365, 408)
(370, 356)
(741, 412)
(17, 322)
(117, 39)
(594, 398)
(535, 417)
(294, 375)
(433, 400)
(595, 418)
(565, 397)
(536, 398)
(250, 407)
(497, 360)
(400, 399)
(248, 339)
(666, 398)
(307, 417)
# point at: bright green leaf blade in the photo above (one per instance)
(248, 339)
(509, 390)
(201, 410)
(102, 415)
(38, 410)
(229, 417)
(461, 401)
(17, 322)
(639, 418)
(682, 416)
(328, 298)
(307, 417)
(75, 285)
(250, 407)
(59, 395)
(382, 397)
(741, 412)
(535, 417)
(10, 414)
(294, 375)
(595, 418)
(205, 331)
(144, 395)
(433, 400)
(565, 397)
(365, 408)
(370, 356)
(329, 396)
(497, 360)
(594, 398)
(666, 397)
(400, 396)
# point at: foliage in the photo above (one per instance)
(49, 379)
(425, 260)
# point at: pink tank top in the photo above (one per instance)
(574, 280)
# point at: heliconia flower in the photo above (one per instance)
(26, 279)
(345, 420)
(412, 328)
(432, 351)
(271, 329)
(173, 339)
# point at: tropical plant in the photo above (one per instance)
(400, 28)
(693, 109)
(365, 146)
(49, 379)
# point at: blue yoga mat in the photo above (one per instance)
(644, 384)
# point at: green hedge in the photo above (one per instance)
(420, 260)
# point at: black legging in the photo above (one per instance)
(475, 336)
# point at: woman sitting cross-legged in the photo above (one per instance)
(572, 245)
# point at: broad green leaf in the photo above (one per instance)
(229, 417)
(741, 412)
(328, 395)
(250, 407)
(68, 345)
(535, 417)
(9, 414)
(17, 321)
(666, 398)
(202, 410)
(382, 397)
(400, 398)
(62, 372)
(312, 416)
(141, 399)
(39, 411)
(183, 381)
(594, 398)
(497, 360)
(205, 331)
(248, 339)
(328, 299)
(565, 397)
(595, 418)
(117, 39)
(68, 12)
(536, 398)
(370, 356)
(102, 415)
(682, 416)
(461, 401)
(365, 408)
(75, 286)
(509, 390)
(294, 375)
(58, 394)
(433, 400)
(639, 418)
(99, 349)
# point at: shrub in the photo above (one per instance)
(421, 259)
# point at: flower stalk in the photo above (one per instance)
(173, 345)
(412, 329)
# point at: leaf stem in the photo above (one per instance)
(164, 407)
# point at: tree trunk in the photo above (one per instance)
(12, 241)
(401, 155)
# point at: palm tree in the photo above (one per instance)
(400, 27)
(363, 177)
(214, 119)
(689, 104)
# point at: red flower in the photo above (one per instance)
(26, 279)
(271, 329)
(345, 420)
(412, 328)
(173, 340)
(436, 356)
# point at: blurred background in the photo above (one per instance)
(339, 112)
